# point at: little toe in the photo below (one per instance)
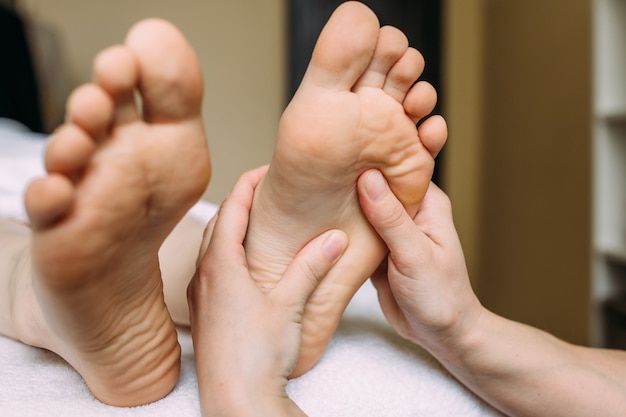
(404, 74)
(170, 82)
(68, 150)
(48, 199)
(344, 48)
(433, 133)
(390, 47)
(420, 101)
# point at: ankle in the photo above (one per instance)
(20, 316)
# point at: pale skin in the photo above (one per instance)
(425, 293)
(86, 278)
(247, 338)
(426, 296)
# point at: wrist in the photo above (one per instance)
(243, 396)
(249, 406)
(451, 343)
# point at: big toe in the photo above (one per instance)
(345, 47)
(170, 83)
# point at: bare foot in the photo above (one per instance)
(356, 109)
(119, 179)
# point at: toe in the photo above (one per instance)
(420, 101)
(433, 133)
(48, 199)
(68, 150)
(170, 82)
(116, 73)
(344, 48)
(91, 108)
(390, 47)
(404, 74)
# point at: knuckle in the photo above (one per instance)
(393, 218)
(312, 272)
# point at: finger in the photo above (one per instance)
(386, 299)
(381, 270)
(231, 221)
(225, 235)
(310, 266)
(435, 219)
(380, 281)
(386, 214)
(206, 238)
(254, 176)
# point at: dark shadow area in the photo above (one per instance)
(19, 92)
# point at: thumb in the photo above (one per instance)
(310, 266)
(385, 212)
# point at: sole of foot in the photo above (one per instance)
(129, 162)
(356, 108)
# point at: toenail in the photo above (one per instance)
(375, 185)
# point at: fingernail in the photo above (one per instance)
(334, 245)
(375, 185)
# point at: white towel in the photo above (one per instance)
(367, 371)
(21, 161)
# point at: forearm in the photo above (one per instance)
(526, 372)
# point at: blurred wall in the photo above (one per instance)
(462, 80)
(519, 156)
(241, 49)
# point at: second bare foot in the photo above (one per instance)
(120, 176)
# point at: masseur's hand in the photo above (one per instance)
(247, 339)
(426, 295)
(423, 287)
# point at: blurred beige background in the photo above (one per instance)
(241, 49)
